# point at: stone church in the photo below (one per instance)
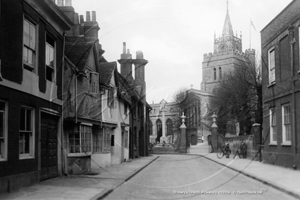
(228, 54)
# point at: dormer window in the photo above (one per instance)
(93, 82)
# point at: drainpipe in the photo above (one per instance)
(76, 97)
(293, 78)
(62, 113)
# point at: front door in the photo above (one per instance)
(48, 146)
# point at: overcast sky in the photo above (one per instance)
(174, 34)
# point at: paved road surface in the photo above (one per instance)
(192, 177)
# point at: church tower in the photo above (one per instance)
(227, 54)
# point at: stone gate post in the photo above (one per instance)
(183, 143)
(214, 134)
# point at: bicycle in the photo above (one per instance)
(223, 151)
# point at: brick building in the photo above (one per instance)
(281, 87)
(31, 54)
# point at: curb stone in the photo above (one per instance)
(102, 195)
(293, 194)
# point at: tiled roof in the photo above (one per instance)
(125, 90)
(106, 70)
(78, 53)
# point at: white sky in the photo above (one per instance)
(174, 34)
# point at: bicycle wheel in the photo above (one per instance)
(220, 153)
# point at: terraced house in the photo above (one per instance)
(280, 43)
(31, 55)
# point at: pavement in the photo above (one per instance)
(102, 181)
(281, 178)
(98, 184)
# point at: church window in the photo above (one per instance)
(169, 127)
(215, 74)
(271, 62)
(220, 72)
(158, 125)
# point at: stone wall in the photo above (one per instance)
(234, 142)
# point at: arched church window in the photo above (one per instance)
(158, 125)
(215, 74)
(220, 72)
(169, 127)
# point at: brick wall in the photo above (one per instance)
(15, 99)
(11, 36)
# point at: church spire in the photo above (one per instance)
(227, 28)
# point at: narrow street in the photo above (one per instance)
(192, 177)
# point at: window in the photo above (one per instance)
(80, 140)
(50, 64)
(286, 124)
(110, 98)
(159, 128)
(271, 62)
(125, 139)
(169, 127)
(107, 139)
(220, 72)
(3, 130)
(93, 82)
(29, 48)
(273, 129)
(112, 140)
(215, 74)
(97, 140)
(102, 140)
(26, 132)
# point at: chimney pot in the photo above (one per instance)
(93, 15)
(81, 19)
(88, 16)
(124, 47)
(139, 55)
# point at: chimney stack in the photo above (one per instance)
(139, 73)
(81, 19)
(126, 64)
(76, 19)
(90, 27)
